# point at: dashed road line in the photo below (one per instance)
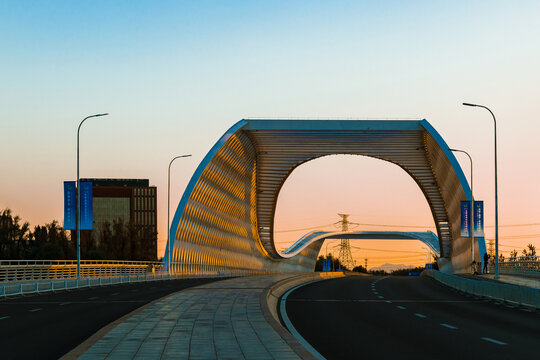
(494, 341)
(93, 298)
(65, 303)
(34, 310)
(388, 302)
(401, 307)
(420, 315)
(4, 317)
(449, 326)
(114, 294)
(380, 297)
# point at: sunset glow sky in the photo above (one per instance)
(176, 75)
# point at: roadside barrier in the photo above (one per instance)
(514, 294)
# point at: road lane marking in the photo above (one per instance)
(115, 294)
(401, 307)
(376, 293)
(388, 302)
(494, 341)
(380, 297)
(34, 310)
(4, 317)
(290, 326)
(65, 303)
(449, 326)
(420, 315)
(93, 298)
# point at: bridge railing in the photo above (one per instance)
(22, 270)
(22, 277)
(524, 265)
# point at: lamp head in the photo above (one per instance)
(469, 104)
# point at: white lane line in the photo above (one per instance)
(115, 294)
(494, 341)
(65, 303)
(420, 315)
(449, 326)
(93, 298)
(4, 317)
(34, 310)
(401, 307)
(380, 297)
(376, 293)
(388, 302)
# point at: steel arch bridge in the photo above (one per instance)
(224, 221)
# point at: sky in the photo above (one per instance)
(175, 75)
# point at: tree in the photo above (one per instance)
(531, 252)
(14, 236)
(513, 255)
(360, 269)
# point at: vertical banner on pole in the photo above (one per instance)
(70, 205)
(465, 219)
(86, 206)
(478, 218)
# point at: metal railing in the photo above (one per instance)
(24, 270)
(523, 265)
(38, 287)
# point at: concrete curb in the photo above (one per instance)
(513, 294)
(269, 299)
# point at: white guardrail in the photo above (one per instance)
(23, 277)
(524, 265)
(514, 294)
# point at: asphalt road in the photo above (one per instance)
(50, 325)
(408, 317)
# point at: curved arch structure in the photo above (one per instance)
(224, 222)
(428, 238)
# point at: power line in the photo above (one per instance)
(401, 226)
(399, 251)
(302, 229)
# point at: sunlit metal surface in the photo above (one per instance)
(427, 237)
(225, 217)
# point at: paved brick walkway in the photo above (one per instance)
(221, 320)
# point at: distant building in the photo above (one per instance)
(131, 202)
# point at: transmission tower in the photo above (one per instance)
(345, 254)
(491, 250)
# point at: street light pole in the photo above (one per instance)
(78, 223)
(496, 192)
(168, 212)
(472, 207)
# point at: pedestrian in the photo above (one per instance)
(486, 261)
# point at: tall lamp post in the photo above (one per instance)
(168, 212)
(472, 207)
(496, 192)
(78, 224)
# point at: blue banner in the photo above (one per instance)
(70, 205)
(478, 218)
(466, 219)
(326, 265)
(86, 206)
